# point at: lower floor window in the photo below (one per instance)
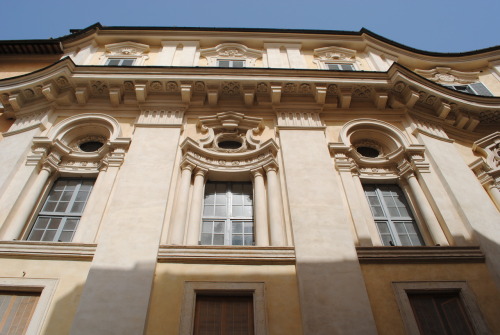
(61, 211)
(16, 310)
(392, 215)
(440, 313)
(227, 214)
(224, 315)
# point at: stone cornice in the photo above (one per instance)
(226, 255)
(404, 255)
(47, 250)
(65, 84)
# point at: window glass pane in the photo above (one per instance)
(65, 236)
(238, 63)
(248, 239)
(206, 227)
(237, 240)
(113, 62)
(223, 63)
(206, 239)
(67, 196)
(233, 200)
(248, 227)
(127, 62)
(219, 239)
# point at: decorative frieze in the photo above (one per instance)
(294, 119)
(160, 118)
(28, 121)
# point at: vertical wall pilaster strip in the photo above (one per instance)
(120, 278)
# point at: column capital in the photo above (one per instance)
(257, 172)
(271, 166)
(187, 166)
(199, 171)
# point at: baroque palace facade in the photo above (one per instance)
(247, 181)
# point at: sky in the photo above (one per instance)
(439, 25)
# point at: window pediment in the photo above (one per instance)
(231, 51)
(127, 50)
(447, 76)
(334, 55)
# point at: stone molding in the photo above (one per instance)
(47, 250)
(226, 255)
(231, 51)
(160, 118)
(397, 157)
(405, 255)
(58, 151)
(228, 162)
(448, 76)
(487, 169)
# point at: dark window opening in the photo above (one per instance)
(91, 146)
(229, 145)
(368, 152)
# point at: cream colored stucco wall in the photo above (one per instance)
(281, 297)
(379, 279)
(71, 276)
(15, 67)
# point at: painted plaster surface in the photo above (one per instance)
(468, 196)
(281, 296)
(120, 279)
(331, 288)
(71, 279)
(379, 278)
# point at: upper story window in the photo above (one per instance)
(120, 61)
(230, 63)
(340, 67)
(392, 215)
(466, 82)
(62, 210)
(231, 55)
(125, 54)
(227, 214)
(335, 58)
(475, 88)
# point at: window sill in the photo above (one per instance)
(226, 254)
(47, 250)
(420, 255)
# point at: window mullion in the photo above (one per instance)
(60, 229)
(227, 232)
(73, 197)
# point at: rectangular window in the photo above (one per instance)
(120, 61)
(224, 315)
(340, 67)
(230, 63)
(16, 310)
(227, 214)
(392, 215)
(440, 313)
(61, 212)
(475, 88)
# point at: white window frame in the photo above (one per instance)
(256, 289)
(470, 88)
(229, 218)
(391, 221)
(402, 289)
(231, 64)
(326, 66)
(121, 60)
(46, 287)
(63, 215)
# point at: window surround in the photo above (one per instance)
(46, 287)
(192, 288)
(399, 162)
(335, 55)
(57, 154)
(126, 50)
(231, 51)
(401, 290)
(203, 158)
